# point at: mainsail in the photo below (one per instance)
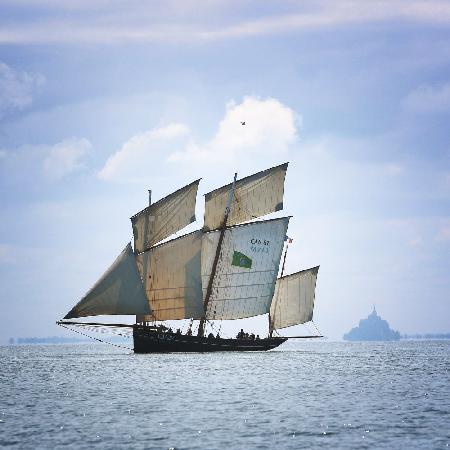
(165, 217)
(247, 268)
(293, 300)
(171, 276)
(118, 292)
(254, 196)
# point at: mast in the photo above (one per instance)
(135, 252)
(201, 327)
(284, 259)
(282, 272)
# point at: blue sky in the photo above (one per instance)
(101, 100)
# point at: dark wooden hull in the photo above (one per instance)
(148, 340)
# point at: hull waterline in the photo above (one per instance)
(147, 340)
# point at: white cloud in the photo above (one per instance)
(16, 88)
(270, 127)
(33, 163)
(147, 22)
(428, 99)
(65, 157)
(137, 155)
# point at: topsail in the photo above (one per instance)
(254, 196)
(165, 217)
(119, 291)
(247, 269)
(293, 301)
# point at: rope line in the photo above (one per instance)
(95, 339)
(315, 326)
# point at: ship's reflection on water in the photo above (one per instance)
(306, 394)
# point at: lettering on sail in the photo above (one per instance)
(259, 245)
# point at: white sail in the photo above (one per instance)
(254, 196)
(118, 291)
(171, 276)
(165, 217)
(247, 268)
(293, 300)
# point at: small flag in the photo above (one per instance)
(241, 260)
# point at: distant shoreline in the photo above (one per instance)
(426, 337)
(59, 340)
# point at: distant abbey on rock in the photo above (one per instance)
(374, 328)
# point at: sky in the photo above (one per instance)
(101, 100)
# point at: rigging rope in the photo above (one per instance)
(96, 339)
(315, 326)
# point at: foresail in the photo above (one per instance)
(171, 276)
(293, 300)
(165, 217)
(254, 196)
(119, 291)
(247, 268)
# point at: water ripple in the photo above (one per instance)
(306, 395)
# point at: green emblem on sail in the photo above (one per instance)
(240, 260)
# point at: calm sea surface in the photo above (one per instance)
(303, 395)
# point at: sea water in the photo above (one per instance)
(305, 394)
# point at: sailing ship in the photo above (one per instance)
(226, 270)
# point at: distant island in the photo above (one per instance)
(374, 328)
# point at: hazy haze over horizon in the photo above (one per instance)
(102, 100)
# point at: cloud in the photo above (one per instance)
(32, 163)
(65, 157)
(270, 127)
(428, 99)
(16, 89)
(147, 21)
(139, 154)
